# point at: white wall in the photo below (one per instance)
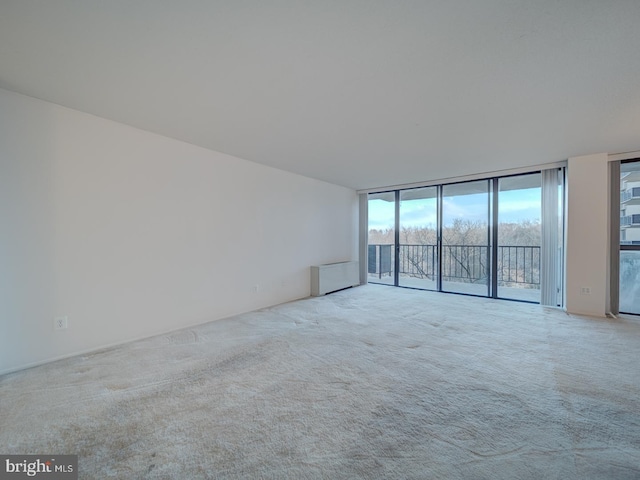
(587, 235)
(130, 234)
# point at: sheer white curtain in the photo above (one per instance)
(551, 251)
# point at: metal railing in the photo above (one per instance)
(628, 220)
(518, 265)
(465, 263)
(629, 193)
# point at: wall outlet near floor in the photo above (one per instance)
(60, 323)
(585, 291)
(256, 288)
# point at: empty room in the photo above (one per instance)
(320, 239)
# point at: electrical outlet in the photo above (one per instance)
(256, 288)
(60, 323)
(585, 291)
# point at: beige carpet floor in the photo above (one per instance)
(371, 382)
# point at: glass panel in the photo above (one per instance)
(630, 237)
(552, 290)
(630, 203)
(519, 237)
(380, 264)
(418, 263)
(465, 238)
(630, 281)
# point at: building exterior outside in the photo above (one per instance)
(630, 208)
(629, 293)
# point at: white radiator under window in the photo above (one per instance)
(334, 276)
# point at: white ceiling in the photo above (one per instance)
(361, 93)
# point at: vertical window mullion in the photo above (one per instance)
(396, 261)
(439, 238)
(493, 239)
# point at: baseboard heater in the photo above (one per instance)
(334, 276)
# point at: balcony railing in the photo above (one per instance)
(517, 265)
(630, 220)
(629, 193)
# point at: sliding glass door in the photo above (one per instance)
(465, 238)
(630, 238)
(519, 237)
(500, 237)
(418, 252)
(382, 235)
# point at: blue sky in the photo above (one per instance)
(515, 205)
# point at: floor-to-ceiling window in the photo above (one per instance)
(466, 252)
(418, 245)
(499, 237)
(630, 237)
(382, 233)
(519, 237)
